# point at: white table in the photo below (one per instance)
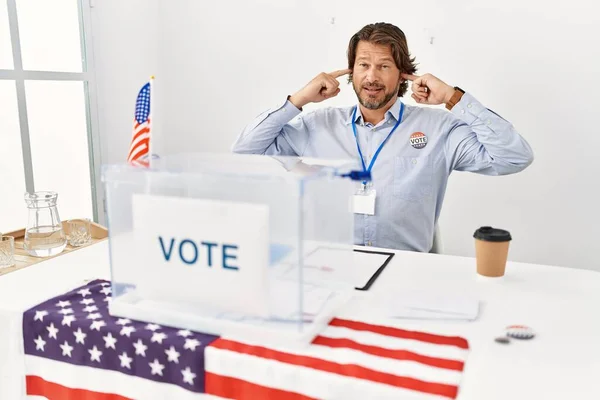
(561, 304)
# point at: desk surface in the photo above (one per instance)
(561, 304)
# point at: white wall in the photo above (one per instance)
(221, 63)
(125, 45)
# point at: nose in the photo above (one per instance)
(372, 75)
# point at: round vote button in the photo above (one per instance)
(519, 332)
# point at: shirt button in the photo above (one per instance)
(369, 243)
(414, 160)
(470, 105)
(488, 122)
(462, 111)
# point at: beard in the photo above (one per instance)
(374, 101)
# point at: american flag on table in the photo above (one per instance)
(139, 150)
(75, 350)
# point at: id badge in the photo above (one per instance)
(364, 202)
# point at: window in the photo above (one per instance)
(47, 138)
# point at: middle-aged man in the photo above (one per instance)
(409, 150)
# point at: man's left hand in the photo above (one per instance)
(428, 89)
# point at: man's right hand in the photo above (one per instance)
(322, 87)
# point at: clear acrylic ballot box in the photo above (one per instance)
(248, 246)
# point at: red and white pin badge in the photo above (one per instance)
(418, 140)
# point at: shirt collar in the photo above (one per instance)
(392, 113)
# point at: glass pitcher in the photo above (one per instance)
(44, 235)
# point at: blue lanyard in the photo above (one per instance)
(362, 160)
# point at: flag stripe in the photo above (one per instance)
(140, 149)
(390, 342)
(351, 370)
(138, 138)
(140, 146)
(107, 381)
(401, 333)
(37, 386)
(139, 133)
(351, 356)
(389, 353)
(308, 381)
(233, 388)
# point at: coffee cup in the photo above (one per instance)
(491, 251)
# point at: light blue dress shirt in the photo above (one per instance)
(410, 179)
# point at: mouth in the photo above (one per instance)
(372, 91)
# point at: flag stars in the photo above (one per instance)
(123, 321)
(84, 292)
(62, 304)
(66, 349)
(39, 315)
(156, 367)
(106, 290)
(152, 327)
(127, 331)
(95, 354)
(188, 376)
(39, 343)
(87, 301)
(52, 331)
(158, 337)
(90, 309)
(125, 360)
(79, 336)
(191, 344)
(172, 355)
(140, 348)
(96, 325)
(67, 319)
(110, 341)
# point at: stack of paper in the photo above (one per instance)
(423, 305)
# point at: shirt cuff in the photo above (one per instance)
(284, 113)
(469, 109)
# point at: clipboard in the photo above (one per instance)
(374, 277)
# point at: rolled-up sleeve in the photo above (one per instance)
(481, 141)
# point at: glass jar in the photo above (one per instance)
(44, 235)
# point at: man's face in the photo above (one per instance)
(375, 77)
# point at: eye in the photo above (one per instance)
(363, 65)
(385, 66)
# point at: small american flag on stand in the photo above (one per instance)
(75, 350)
(139, 150)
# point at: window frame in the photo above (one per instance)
(87, 76)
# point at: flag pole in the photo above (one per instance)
(150, 154)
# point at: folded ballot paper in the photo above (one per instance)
(428, 305)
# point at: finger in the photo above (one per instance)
(333, 82)
(329, 90)
(421, 98)
(337, 91)
(416, 86)
(410, 77)
(341, 72)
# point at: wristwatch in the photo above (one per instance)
(458, 93)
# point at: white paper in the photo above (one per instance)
(341, 265)
(430, 305)
(181, 268)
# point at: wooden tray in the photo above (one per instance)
(23, 259)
